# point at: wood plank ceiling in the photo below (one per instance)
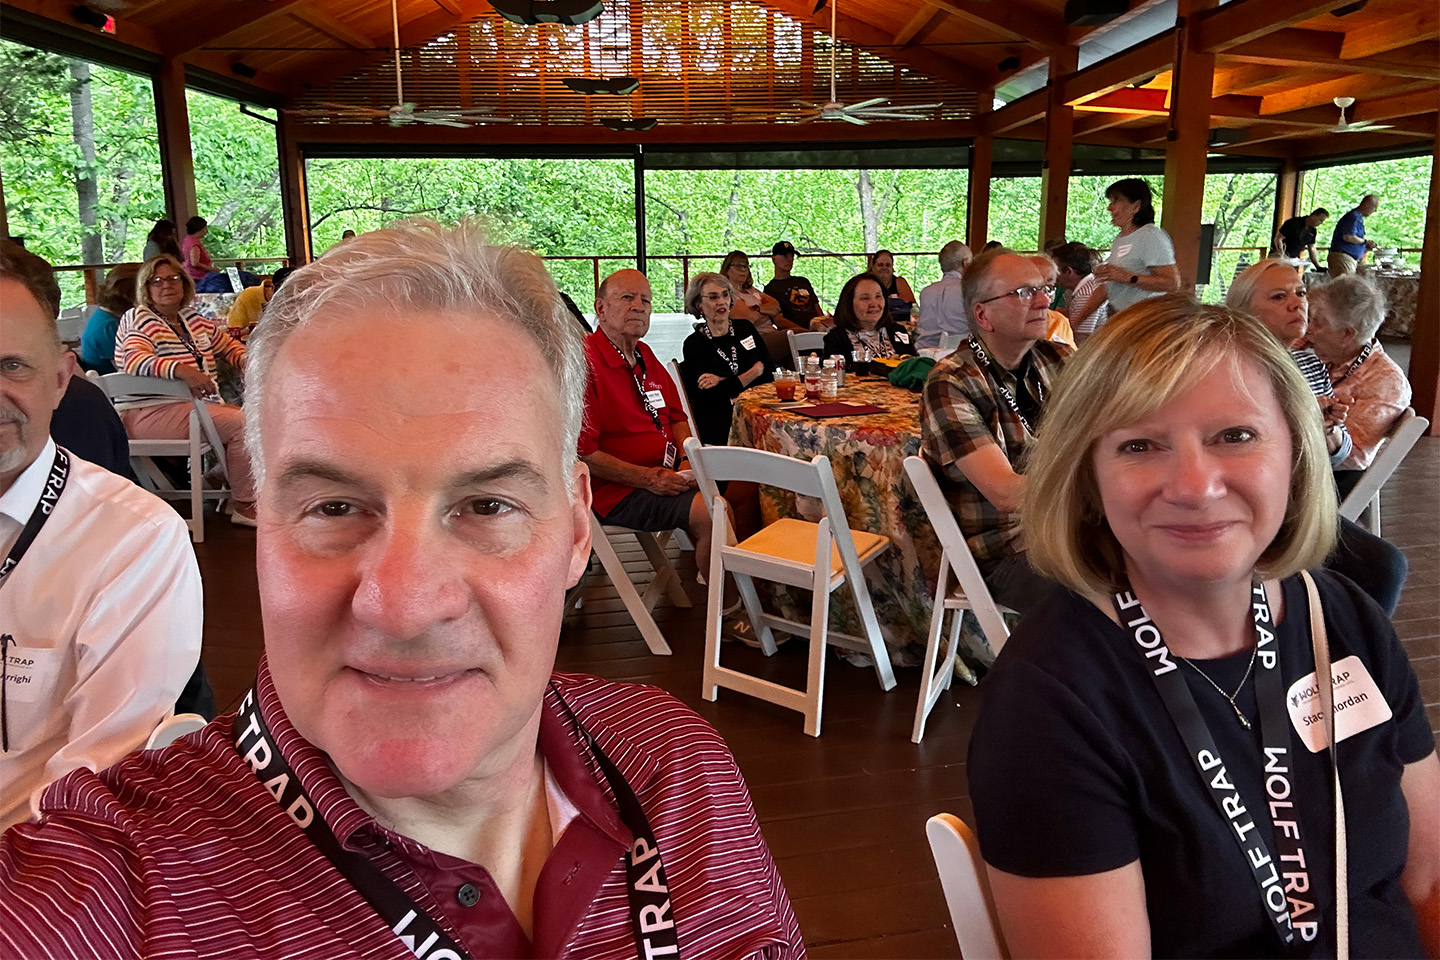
(734, 70)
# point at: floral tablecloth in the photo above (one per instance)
(867, 454)
(1401, 294)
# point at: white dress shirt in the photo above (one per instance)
(105, 612)
(942, 310)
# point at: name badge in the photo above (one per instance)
(1358, 704)
(30, 673)
(670, 455)
(901, 336)
(748, 343)
(656, 398)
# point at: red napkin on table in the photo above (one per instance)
(821, 410)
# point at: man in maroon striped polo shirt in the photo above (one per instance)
(408, 777)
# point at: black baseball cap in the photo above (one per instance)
(783, 249)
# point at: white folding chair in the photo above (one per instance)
(71, 323)
(666, 581)
(172, 728)
(672, 367)
(125, 390)
(1364, 498)
(802, 343)
(970, 593)
(966, 886)
(819, 557)
(951, 341)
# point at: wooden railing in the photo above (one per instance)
(94, 273)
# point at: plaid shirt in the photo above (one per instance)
(960, 412)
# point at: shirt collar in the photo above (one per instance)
(570, 762)
(953, 273)
(18, 503)
(610, 354)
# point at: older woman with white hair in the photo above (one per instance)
(723, 356)
(1345, 315)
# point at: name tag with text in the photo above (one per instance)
(30, 673)
(656, 398)
(1358, 704)
(748, 343)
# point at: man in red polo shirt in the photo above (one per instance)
(635, 429)
(408, 777)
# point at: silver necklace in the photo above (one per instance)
(1230, 696)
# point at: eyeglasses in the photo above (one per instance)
(1024, 294)
(157, 281)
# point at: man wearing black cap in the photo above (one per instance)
(798, 301)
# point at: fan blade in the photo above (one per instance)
(865, 105)
(441, 122)
(855, 120)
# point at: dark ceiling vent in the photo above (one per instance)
(1092, 13)
(531, 12)
(639, 123)
(615, 86)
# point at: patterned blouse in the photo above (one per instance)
(147, 346)
(1377, 392)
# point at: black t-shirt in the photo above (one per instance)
(1295, 236)
(1076, 768)
(712, 408)
(87, 425)
(797, 298)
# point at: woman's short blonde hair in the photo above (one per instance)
(1141, 360)
(147, 270)
(1242, 288)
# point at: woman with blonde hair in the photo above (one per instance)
(1149, 770)
(163, 336)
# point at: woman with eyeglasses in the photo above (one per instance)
(752, 303)
(1141, 262)
(862, 319)
(163, 336)
(722, 357)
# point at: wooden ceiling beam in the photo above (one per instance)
(1221, 28)
(577, 134)
(924, 20)
(1146, 100)
(1142, 60)
(1017, 113)
(1392, 34)
(225, 20)
(1032, 25)
(332, 28)
(1096, 122)
(149, 41)
(1293, 47)
(1320, 94)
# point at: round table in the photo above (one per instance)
(867, 454)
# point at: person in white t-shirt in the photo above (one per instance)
(100, 597)
(1141, 262)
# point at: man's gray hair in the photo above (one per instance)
(975, 285)
(953, 256)
(1352, 301)
(421, 266)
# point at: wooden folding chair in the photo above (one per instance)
(820, 557)
(966, 886)
(125, 390)
(1364, 498)
(970, 593)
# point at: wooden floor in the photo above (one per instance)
(844, 814)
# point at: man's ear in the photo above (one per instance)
(980, 320)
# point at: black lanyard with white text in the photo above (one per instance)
(1283, 884)
(44, 507)
(646, 886)
(984, 360)
(732, 361)
(639, 379)
(1354, 364)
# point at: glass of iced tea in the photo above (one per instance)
(785, 381)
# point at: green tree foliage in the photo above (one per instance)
(1403, 187)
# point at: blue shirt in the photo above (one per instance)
(1353, 224)
(97, 343)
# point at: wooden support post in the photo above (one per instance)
(1425, 338)
(1188, 142)
(294, 199)
(177, 166)
(977, 210)
(1287, 194)
(1059, 133)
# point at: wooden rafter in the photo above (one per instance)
(228, 19)
(1391, 34)
(1293, 47)
(334, 29)
(1037, 27)
(417, 31)
(1361, 88)
(1240, 22)
(920, 23)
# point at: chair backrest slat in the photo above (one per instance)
(801, 343)
(1407, 429)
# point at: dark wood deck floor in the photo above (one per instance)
(844, 814)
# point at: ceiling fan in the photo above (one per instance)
(878, 108)
(1345, 126)
(403, 112)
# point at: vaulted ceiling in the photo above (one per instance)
(740, 70)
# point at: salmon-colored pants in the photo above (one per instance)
(171, 421)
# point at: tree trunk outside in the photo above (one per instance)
(82, 128)
(117, 227)
(869, 220)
